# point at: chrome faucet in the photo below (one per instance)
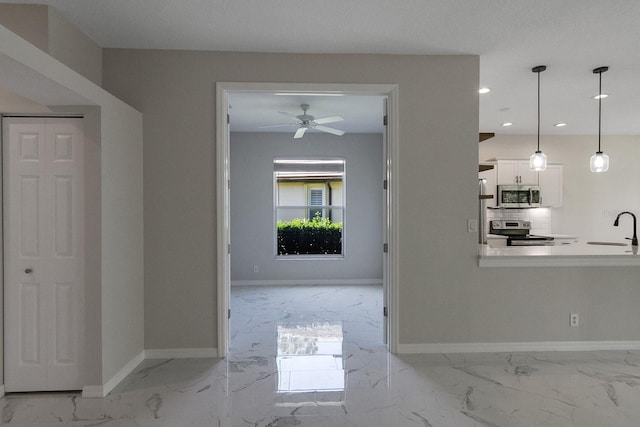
(634, 239)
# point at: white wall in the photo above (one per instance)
(252, 226)
(591, 201)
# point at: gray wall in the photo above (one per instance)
(29, 21)
(74, 49)
(43, 27)
(438, 124)
(252, 227)
(444, 297)
(114, 133)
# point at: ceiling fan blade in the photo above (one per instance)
(300, 132)
(329, 119)
(330, 130)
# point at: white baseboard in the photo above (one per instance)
(508, 347)
(103, 390)
(306, 282)
(180, 353)
(2, 391)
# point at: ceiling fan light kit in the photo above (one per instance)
(305, 121)
(538, 160)
(599, 162)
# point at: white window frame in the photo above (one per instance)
(309, 187)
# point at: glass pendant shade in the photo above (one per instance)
(538, 161)
(599, 162)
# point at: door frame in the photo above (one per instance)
(391, 173)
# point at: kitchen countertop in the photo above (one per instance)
(572, 255)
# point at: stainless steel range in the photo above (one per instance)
(517, 233)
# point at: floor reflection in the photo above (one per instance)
(309, 357)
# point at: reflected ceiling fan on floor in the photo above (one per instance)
(305, 121)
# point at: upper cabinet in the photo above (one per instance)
(550, 182)
(517, 172)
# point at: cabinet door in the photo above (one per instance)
(551, 186)
(507, 172)
(516, 172)
(527, 176)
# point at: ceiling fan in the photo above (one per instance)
(306, 121)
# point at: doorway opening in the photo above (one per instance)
(312, 191)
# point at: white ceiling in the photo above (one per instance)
(571, 37)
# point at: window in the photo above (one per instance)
(309, 206)
(316, 198)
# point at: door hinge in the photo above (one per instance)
(228, 119)
(229, 248)
(385, 184)
(385, 312)
(229, 314)
(384, 120)
(385, 248)
(229, 184)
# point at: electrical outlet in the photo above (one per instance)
(472, 225)
(256, 269)
(574, 320)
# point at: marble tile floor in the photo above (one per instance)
(313, 356)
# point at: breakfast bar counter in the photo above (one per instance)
(579, 254)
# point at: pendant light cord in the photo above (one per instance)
(538, 69)
(539, 110)
(599, 111)
(600, 70)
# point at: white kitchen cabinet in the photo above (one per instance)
(551, 182)
(516, 172)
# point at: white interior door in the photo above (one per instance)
(44, 253)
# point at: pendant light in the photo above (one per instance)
(599, 161)
(538, 160)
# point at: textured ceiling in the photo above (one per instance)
(571, 37)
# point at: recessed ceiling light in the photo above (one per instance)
(603, 96)
(484, 90)
(507, 124)
(560, 125)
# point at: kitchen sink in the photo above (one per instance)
(607, 243)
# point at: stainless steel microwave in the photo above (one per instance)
(519, 196)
